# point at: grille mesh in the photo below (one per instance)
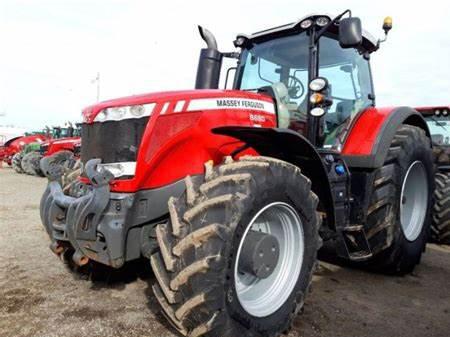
(115, 141)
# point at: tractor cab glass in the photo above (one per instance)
(284, 64)
(439, 125)
(350, 87)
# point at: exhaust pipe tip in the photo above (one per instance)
(210, 62)
(79, 259)
(208, 37)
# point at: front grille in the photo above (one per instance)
(113, 142)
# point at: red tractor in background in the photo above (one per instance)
(63, 141)
(51, 146)
(16, 145)
(438, 120)
(64, 152)
(230, 193)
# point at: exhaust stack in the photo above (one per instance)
(210, 62)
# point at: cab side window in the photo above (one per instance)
(348, 75)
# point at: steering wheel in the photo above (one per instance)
(296, 89)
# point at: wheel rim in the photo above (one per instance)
(262, 297)
(414, 200)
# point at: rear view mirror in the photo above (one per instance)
(350, 32)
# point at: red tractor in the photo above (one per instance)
(438, 120)
(230, 193)
(64, 152)
(71, 144)
(64, 139)
(14, 146)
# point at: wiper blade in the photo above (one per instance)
(438, 123)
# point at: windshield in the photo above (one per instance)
(283, 63)
(59, 132)
(439, 129)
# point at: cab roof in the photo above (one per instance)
(369, 43)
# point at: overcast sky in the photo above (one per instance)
(52, 49)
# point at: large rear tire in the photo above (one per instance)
(30, 164)
(201, 284)
(399, 214)
(440, 228)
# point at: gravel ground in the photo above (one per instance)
(38, 297)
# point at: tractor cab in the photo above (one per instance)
(313, 73)
(66, 132)
(438, 120)
(316, 69)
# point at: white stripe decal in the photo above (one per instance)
(164, 108)
(179, 106)
(230, 103)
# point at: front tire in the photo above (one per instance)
(17, 162)
(399, 215)
(197, 284)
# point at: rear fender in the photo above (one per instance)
(291, 147)
(369, 139)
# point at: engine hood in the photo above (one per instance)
(186, 100)
(22, 141)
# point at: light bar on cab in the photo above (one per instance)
(124, 112)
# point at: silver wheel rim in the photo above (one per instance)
(414, 201)
(262, 297)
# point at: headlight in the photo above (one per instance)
(137, 110)
(119, 169)
(124, 112)
(318, 84)
(317, 112)
(116, 113)
(306, 23)
(322, 21)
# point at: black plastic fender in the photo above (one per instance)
(291, 147)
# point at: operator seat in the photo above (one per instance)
(285, 108)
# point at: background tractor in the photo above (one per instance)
(438, 119)
(65, 152)
(63, 141)
(12, 149)
(30, 158)
(230, 193)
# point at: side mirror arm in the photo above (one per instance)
(332, 22)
